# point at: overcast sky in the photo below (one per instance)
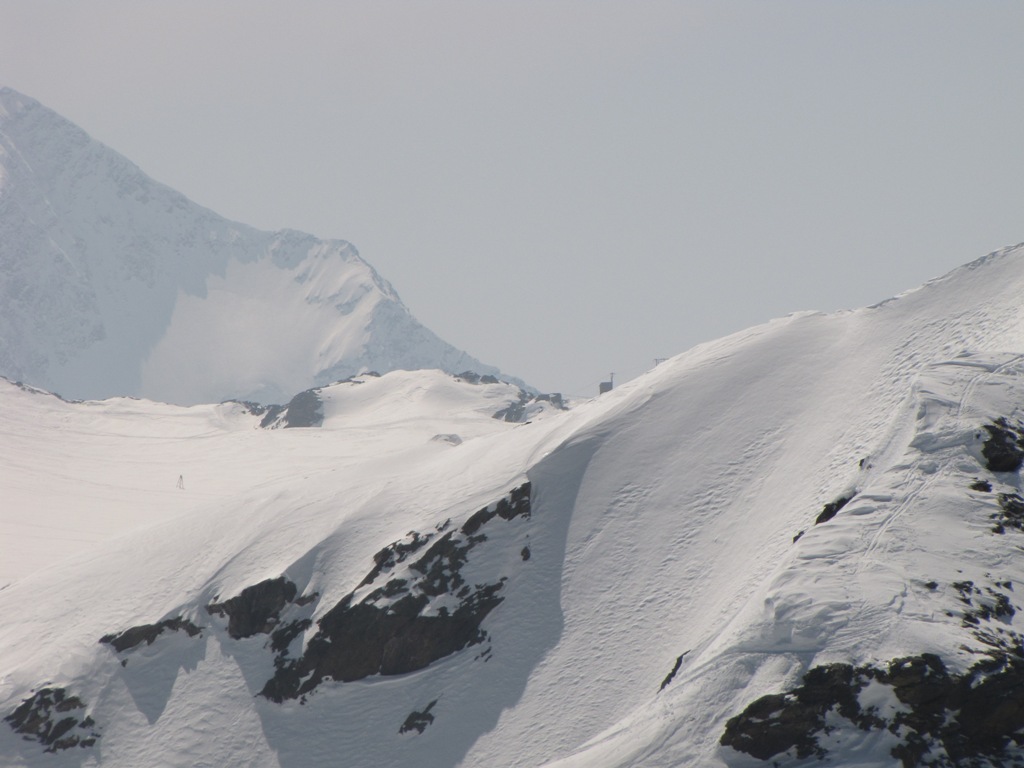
(569, 188)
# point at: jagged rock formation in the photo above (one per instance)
(257, 609)
(933, 717)
(147, 633)
(422, 613)
(55, 719)
(418, 721)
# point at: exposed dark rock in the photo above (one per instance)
(441, 564)
(472, 377)
(671, 675)
(774, 724)
(555, 398)
(1004, 448)
(516, 411)
(983, 605)
(981, 485)
(418, 721)
(306, 409)
(147, 633)
(356, 641)
(256, 409)
(392, 630)
(799, 535)
(831, 509)
(525, 553)
(282, 637)
(395, 553)
(257, 609)
(516, 504)
(974, 718)
(1011, 513)
(54, 719)
(271, 414)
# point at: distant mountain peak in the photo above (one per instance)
(115, 284)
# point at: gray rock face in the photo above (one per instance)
(257, 609)
(1004, 448)
(55, 719)
(391, 630)
(306, 409)
(418, 721)
(147, 633)
(970, 719)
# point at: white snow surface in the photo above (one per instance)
(114, 284)
(663, 523)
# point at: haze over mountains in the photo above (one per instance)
(799, 545)
(114, 284)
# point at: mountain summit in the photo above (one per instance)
(114, 284)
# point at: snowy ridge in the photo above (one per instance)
(114, 284)
(817, 521)
(111, 466)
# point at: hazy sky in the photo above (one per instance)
(566, 189)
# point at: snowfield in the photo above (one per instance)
(797, 545)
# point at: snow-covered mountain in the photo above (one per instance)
(798, 545)
(114, 284)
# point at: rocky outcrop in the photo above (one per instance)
(672, 673)
(472, 377)
(418, 721)
(306, 409)
(831, 509)
(1010, 514)
(407, 612)
(971, 719)
(257, 609)
(1004, 448)
(147, 633)
(519, 410)
(55, 719)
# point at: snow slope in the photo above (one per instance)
(113, 284)
(107, 467)
(670, 525)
